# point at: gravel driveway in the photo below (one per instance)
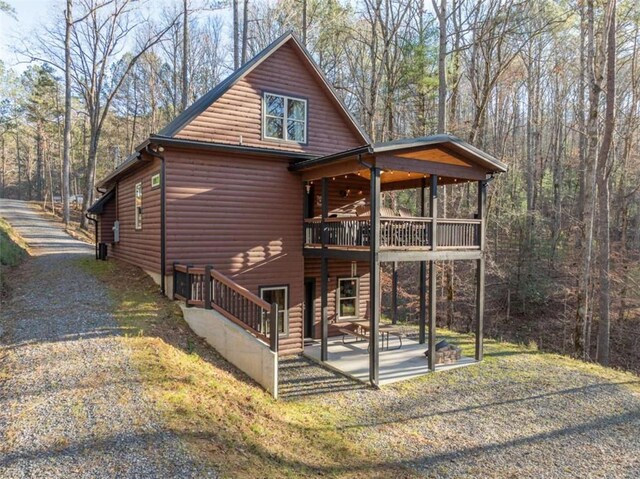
(71, 403)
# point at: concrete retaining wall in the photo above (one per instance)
(236, 345)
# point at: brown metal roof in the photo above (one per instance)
(492, 164)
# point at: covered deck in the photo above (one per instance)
(374, 232)
(395, 363)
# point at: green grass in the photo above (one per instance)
(12, 247)
(230, 422)
(13, 250)
(225, 417)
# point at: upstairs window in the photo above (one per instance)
(285, 118)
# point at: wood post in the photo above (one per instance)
(433, 284)
(433, 211)
(187, 301)
(273, 327)
(175, 273)
(374, 278)
(422, 320)
(324, 276)
(206, 296)
(480, 268)
(394, 293)
(479, 308)
(324, 307)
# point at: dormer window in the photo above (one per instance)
(285, 118)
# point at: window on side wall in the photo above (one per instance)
(280, 296)
(138, 206)
(348, 301)
(285, 118)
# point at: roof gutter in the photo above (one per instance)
(230, 148)
(323, 160)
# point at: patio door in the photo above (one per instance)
(309, 310)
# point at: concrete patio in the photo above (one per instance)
(352, 359)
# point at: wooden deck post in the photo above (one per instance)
(374, 274)
(422, 319)
(187, 301)
(207, 287)
(324, 277)
(394, 293)
(433, 284)
(273, 327)
(480, 267)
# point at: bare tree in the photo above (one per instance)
(185, 54)
(66, 149)
(604, 323)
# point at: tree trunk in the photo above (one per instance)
(604, 324)
(441, 13)
(185, 55)
(304, 22)
(236, 46)
(90, 180)
(66, 171)
(245, 31)
(583, 326)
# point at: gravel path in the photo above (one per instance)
(516, 415)
(71, 403)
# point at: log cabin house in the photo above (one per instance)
(260, 205)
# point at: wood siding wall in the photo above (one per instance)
(238, 113)
(337, 269)
(339, 203)
(105, 222)
(242, 215)
(140, 247)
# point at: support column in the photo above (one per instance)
(374, 277)
(324, 308)
(324, 276)
(394, 293)
(480, 267)
(422, 319)
(433, 284)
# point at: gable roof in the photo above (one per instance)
(200, 105)
(456, 144)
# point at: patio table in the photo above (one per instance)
(362, 329)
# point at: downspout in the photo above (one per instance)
(163, 199)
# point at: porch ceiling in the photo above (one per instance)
(406, 163)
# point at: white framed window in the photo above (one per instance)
(138, 206)
(348, 304)
(284, 118)
(280, 296)
(155, 180)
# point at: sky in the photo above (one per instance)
(30, 14)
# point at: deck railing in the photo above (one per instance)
(455, 233)
(204, 287)
(395, 232)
